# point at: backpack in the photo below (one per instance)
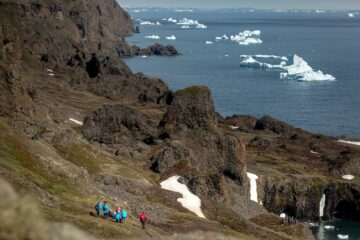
(123, 213)
(142, 217)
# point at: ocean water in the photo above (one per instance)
(328, 41)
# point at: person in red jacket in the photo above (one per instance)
(143, 219)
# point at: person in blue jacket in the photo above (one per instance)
(98, 208)
(106, 210)
(117, 217)
(123, 215)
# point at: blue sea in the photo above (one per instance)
(327, 41)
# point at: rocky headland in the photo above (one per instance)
(78, 126)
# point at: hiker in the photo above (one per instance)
(106, 210)
(123, 215)
(98, 208)
(143, 219)
(117, 217)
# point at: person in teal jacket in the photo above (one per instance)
(117, 217)
(106, 210)
(123, 215)
(98, 208)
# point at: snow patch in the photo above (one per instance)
(313, 152)
(253, 186)
(283, 215)
(234, 127)
(76, 121)
(348, 177)
(340, 236)
(49, 70)
(293, 69)
(328, 227)
(188, 200)
(247, 37)
(153, 37)
(51, 74)
(172, 37)
(322, 205)
(350, 142)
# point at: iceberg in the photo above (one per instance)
(158, 23)
(351, 15)
(253, 186)
(209, 42)
(223, 37)
(147, 23)
(172, 37)
(319, 11)
(152, 37)
(191, 22)
(298, 69)
(247, 37)
(184, 10)
(172, 20)
(328, 227)
(188, 200)
(185, 26)
(340, 236)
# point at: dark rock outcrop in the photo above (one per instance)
(276, 126)
(156, 49)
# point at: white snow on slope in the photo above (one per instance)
(253, 186)
(49, 70)
(322, 205)
(76, 121)
(348, 177)
(234, 127)
(293, 69)
(51, 74)
(340, 236)
(172, 37)
(152, 37)
(188, 200)
(328, 227)
(247, 37)
(313, 152)
(350, 142)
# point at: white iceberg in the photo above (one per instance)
(191, 22)
(184, 10)
(209, 42)
(172, 20)
(172, 37)
(351, 15)
(247, 37)
(298, 69)
(328, 227)
(319, 11)
(76, 121)
(158, 23)
(153, 37)
(185, 26)
(340, 236)
(348, 177)
(188, 200)
(144, 56)
(350, 142)
(253, 186)
(223, 37)
(147, 23)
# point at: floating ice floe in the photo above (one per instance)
(351, 15)
(340, 236)
(247, 37)
(350, 142)
(209, 42)
(158, 23)
(76, 121)
(147, 23)
(319, 11)
(185, 27)
(253, 186)
(172, 37)
(184, 10)
(328, 227)
(223, 37)
(153, 37)
(294, 69)
(322, 205)
(188, 200)
(172, 20)
(144, 56)
(348, 177)
(266, 56)
(191, 22)
(283, 215)
(234, 127)
(140, 10)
